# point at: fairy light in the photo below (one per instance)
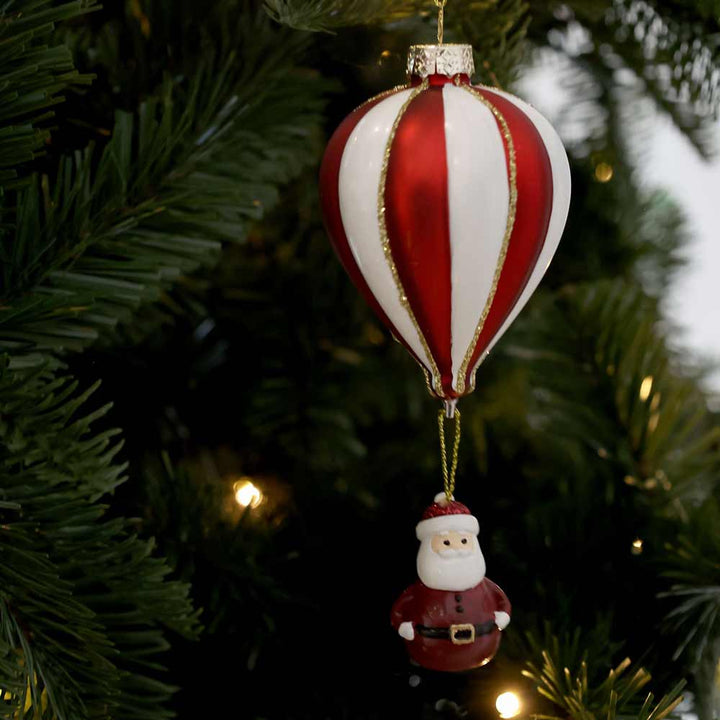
(384, 57)
(247, 494)
(603, 172)
(637, 546)
(508, 705)
(646, 387)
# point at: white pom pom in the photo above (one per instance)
(441, 499)
(502, 619)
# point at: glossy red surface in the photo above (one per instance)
(416, 80)
(418, 221)
(534, 205)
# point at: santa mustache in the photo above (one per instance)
(455, 553)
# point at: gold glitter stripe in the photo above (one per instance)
(512, 208)
(437, 384)
(382, 95)
(428, 381)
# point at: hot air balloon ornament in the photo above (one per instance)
(445, 202)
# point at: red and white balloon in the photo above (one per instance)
(445, 203)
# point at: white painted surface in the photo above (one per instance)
(359, 180)
(560, 206)
(479, 202)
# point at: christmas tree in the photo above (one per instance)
(212, 457)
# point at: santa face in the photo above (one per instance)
(450, 561)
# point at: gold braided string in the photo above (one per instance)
(441, 18)
(449, 475)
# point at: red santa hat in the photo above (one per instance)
(444, 516)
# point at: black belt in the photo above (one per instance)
(462, 634)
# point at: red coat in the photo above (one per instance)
(423, 606)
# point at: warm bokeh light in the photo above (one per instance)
(646, 387)
(603, 172)
(247, 494)
(637, 546)
(508, 705)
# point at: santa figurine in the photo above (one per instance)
(452, 616)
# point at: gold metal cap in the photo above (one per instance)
(450, 60)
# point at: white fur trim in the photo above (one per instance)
(445, 523)
(441, 499)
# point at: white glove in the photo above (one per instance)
(406, 630)
(502, 619)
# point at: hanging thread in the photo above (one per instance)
(441, 19)
(449, 473)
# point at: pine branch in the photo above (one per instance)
(206, 533)
(618, 696)
(495, 28)
(671, 47)
(191, 171)
(614, 402)
(615, 227)
(677, 60)
(608, 383)
(325, 15)
(692, 563)
(497, 31)
(672, 57)
(83, 604)
(33, 74)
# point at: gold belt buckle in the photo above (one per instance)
(464, 627)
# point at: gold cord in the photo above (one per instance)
(441, 18)
(449, 475)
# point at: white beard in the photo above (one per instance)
(455, 570)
